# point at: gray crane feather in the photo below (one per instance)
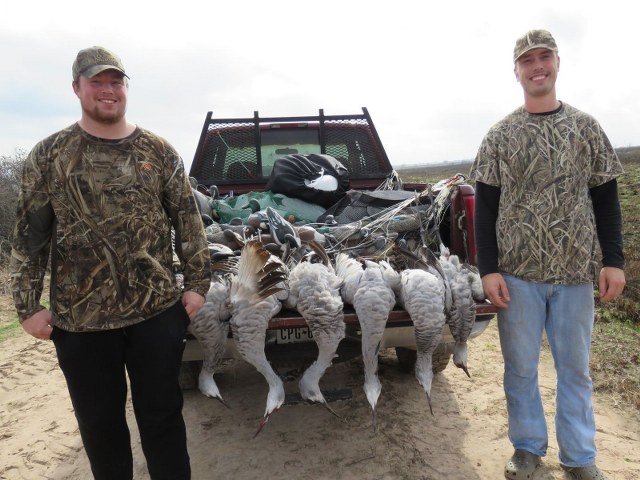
(373, 301)
(314, 290)
(422, 296)
(210, 326)
(466, 287)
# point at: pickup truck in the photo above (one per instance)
(236, 156)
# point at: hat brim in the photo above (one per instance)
(96, 69)
(533, 47)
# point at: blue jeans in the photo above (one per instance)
(566, 312)
(94, 366)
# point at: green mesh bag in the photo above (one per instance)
(302, 212)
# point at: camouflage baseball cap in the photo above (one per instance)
(533, 39)
(94, 60)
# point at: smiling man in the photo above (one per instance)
(101, 198)
(546, 193)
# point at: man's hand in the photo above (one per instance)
(495, 288)
(611, 283)
(38, 325)
(192, 302)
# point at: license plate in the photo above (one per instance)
(294, 335)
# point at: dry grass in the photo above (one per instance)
(9, 326)
(615, 361)
(5, 288)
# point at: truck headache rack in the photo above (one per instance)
(240, 152)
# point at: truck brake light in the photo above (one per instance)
(469, 205)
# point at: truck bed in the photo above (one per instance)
(236, 155)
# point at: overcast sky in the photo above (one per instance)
(433, 75)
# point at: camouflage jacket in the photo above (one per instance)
(544, 165)
(105, 210)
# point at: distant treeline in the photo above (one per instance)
(629, 154)
(436, 172)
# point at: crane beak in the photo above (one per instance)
(223, 402)
(373, 420)
(332, 411)
(429, 401)
(263, 422)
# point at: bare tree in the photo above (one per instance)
(10, 173)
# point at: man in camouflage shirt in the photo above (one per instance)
(546, 193)
(101, 197)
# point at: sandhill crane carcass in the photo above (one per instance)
(211, 327)
(314, 291)
(253, 303)
(422, 296)
(373, 301)
(466, 288)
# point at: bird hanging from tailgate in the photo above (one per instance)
(210, 326)
(373, 301)
(314, 291)
(466, 287)
(391, 277)
(252, 296)
(350, 271)
(422, 296)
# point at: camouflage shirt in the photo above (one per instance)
(105, 209)
(544, 165)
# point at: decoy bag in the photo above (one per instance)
(307, 177)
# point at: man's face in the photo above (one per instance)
(537, 71)
(103, 97)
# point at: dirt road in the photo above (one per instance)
(464, 439)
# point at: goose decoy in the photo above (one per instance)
(282, 231)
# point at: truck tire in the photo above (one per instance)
(441, 356)
(188, 376)
(407, 358)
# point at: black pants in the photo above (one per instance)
(94, 366)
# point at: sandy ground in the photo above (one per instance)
(464, 439)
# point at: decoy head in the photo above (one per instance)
(283, 232)
(253, 204)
